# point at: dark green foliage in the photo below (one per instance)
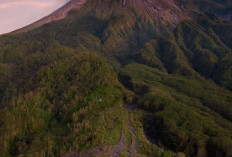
(59, 94)
(201, 45)
(189, 115)
(218, 7)
(60, 111)
(223, 74)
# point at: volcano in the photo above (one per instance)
(171, 10)
(119, 78)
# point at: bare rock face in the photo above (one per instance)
(161, 11)
(164, 13)
(57, 15)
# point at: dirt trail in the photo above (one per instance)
(111, 151)
(121, 146)
(116, 150)
(133, 145)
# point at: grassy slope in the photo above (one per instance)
(59, 109)
(187, 114)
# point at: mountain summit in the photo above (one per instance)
(157, 10)
(171, 11)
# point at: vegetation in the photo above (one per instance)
(199, 45)
(60, 110)
(63, 86)
(186, 114)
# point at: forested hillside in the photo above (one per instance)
(120, 78)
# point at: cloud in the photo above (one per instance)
(30, 3)
(8, 4)
(15, 14)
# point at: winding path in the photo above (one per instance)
(116, 150)
(133, 145)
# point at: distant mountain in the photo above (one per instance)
(119, 78)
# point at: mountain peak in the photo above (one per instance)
(157, 10)
(164, 13)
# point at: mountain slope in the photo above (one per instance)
(119, 78)
(199, 45)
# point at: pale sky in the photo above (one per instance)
(16, 14)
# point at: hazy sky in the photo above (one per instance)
(15, 14)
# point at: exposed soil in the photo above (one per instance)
(118, 149)
(133, 146)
